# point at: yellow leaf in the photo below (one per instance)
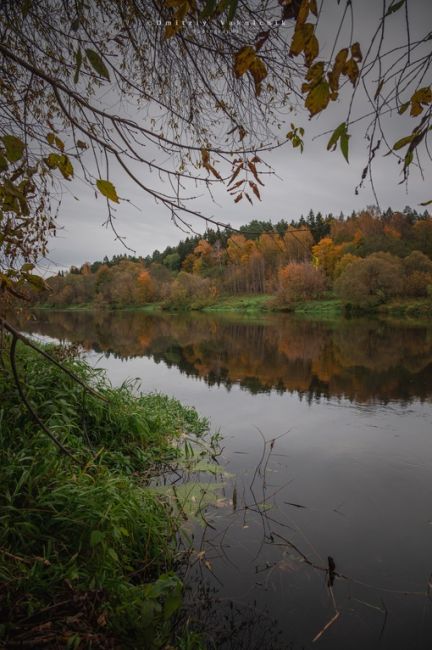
(315, 72)
(297, 42)
(61, 162)
(416, 109)
(258, 71)
(183, 7)
(243, 60)
(311, 49)
(303, 12)
(338, 68)
(302, 34)
(107, 189)
(356, 52)
(171, 30)
(59, 143)
(318, 98)
(313, 7)
(65, 166)
(421, 96)
(351, 70)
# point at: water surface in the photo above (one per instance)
(327, 434)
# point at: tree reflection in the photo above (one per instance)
(362, 360)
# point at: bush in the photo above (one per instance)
(190, 291)
(347, 259)
(369, 282)
(300, 281)
(418, 274)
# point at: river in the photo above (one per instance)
(322, 536)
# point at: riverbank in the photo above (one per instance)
(87, 551)
(328, 307)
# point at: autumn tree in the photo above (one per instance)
(418, 274)
(369, 282)
(300, 281)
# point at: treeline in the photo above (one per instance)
(365, 259)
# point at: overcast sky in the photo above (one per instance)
(316, 179)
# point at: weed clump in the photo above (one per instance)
(87, 551)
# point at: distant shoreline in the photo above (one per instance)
(330, 307)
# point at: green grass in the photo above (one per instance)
(149, 307)
(407, 308)
(87, 549)
(326, 308)
(247, 303)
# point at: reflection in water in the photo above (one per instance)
(362, 360)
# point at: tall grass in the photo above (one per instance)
(87, 552)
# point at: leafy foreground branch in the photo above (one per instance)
(87, 552)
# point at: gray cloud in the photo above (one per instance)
(316, 179)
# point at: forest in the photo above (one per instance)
(365, 260)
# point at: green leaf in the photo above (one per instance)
(35, 280)
(232, 10)
(331, 145)
(408, 159)
(27, 267)
(404, 141)
(395, 7)
(426, 202)
(172, 603)
(107, 189)
(61, 162)
(97, 64)
(344, 145)
(147, 612)
(78, 63)
(3, 163)
(26, 6)
(54, 140)
(96, 537)
(14, 147)
(209, 9)
(111, 552)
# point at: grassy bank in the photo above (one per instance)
(328, 307)
(407, 308)
(149, 307)
(247, 303)
(87, 550)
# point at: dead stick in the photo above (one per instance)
(326, 627)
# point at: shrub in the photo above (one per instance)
(418, 274)
(344, 262)
(300, 281)
(368, 282)
(190, 290)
